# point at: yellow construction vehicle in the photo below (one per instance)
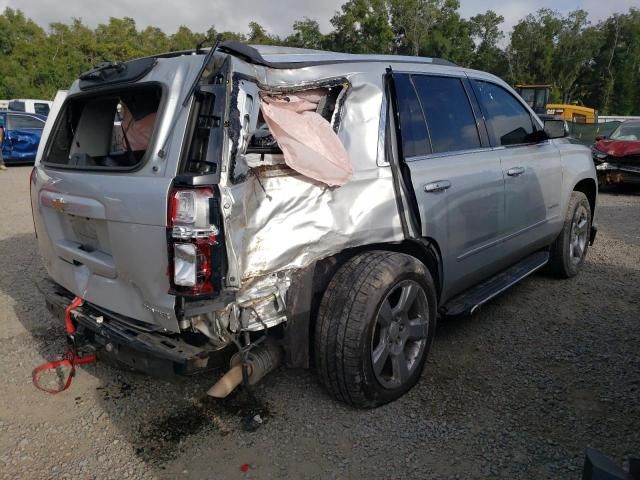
(537, 97)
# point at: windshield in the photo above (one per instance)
(105, 131)
(627, 131)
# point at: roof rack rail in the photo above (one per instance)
(252, 55)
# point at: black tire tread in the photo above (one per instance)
(342, 320)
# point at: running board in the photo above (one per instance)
(469, 301)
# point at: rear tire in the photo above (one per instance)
(569, 250)
(375, 326)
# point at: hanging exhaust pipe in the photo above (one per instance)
(262, 360)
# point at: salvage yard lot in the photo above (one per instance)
(517, 391)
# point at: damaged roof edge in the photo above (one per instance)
(288, 57)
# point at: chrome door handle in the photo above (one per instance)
(438, 186)
(515, 171)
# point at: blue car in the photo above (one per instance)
(22, 132)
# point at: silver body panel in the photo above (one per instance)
(278, 221)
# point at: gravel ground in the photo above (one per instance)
(517, 391)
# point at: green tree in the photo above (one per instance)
(306, 34)
(487, 35)
(574, 50)
(531, 51)
(612, 79)
(414, 23)
(450, 39)
(185, 39)
(598, 65)
(153, 40)
(259, 36)
(117, 40)
(362, 26)
(23, 57)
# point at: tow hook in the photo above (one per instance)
(260, 361)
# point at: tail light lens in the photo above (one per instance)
(192, 238)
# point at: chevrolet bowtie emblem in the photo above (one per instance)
(58, 204)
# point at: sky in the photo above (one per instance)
(276, 16)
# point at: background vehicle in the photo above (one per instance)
(213, 233)
(537, 97)
(22, 136)
(617, 156)
(40, 107)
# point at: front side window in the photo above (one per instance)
(23, 122)
(413, 129)
(105, 131)
(451, 123)
(509, 123)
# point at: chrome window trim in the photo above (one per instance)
(453, 153)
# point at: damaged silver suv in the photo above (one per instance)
(297, 206)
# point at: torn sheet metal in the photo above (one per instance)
(278, 219)
(284, 220)
(308, 142)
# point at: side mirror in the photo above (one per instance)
(600, 137)
(556, 128)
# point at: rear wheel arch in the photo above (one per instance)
(316, 280)
(426, 250)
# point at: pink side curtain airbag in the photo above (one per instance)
(308, 143)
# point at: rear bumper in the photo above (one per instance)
(133, 345)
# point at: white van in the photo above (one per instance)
(41, 107)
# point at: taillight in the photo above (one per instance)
(192, 238)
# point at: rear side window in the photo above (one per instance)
(105, 131)
(509, 123)
(413, 129)
(17, 106)
(452, 126)
(41, 108)
(22, 122)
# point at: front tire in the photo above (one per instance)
(569, 250)
(375, 326)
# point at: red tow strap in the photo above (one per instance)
(70, 359)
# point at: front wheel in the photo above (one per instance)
(569, 251)
(375, 326)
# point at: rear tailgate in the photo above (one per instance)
(103, 237)
(102, 230)
(101, 184)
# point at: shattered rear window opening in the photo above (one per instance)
(262, 140)
(110, 130)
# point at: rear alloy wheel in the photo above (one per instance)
(400, 334)
(375, 326)
(569, 250)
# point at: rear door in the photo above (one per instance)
(457, 179)
(532, 169)
(23, 134)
